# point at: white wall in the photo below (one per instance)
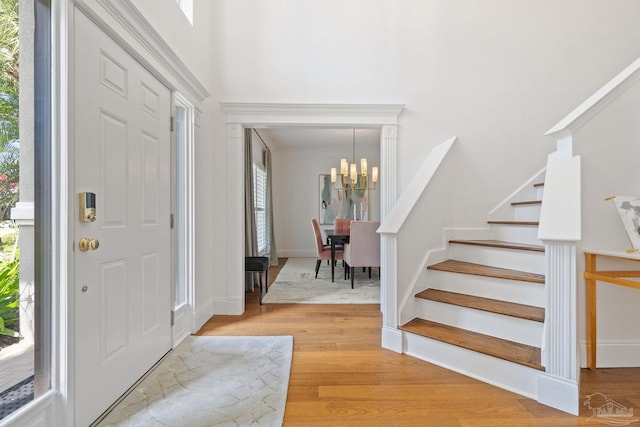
(495, 73)
(609, 145)
(190, 43)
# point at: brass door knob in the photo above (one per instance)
(86, 244)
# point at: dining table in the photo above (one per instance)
(336, 238)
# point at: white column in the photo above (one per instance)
(391, 336)
(559, 385)
(388, 172)
(235, 221)
(560, 346)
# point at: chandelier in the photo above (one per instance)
(351, 179)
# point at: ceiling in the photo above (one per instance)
(287, 138)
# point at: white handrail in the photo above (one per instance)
(595, 102)
(403, 207)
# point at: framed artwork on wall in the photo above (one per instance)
(340, 201)
(629, 209)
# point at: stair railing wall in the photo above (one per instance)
(390, 230)
(560, 231)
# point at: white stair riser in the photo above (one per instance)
(539, 192)
(530, 261)
(488, 287)
(507, 375)
(526, 212)
(515, 233)
(495, 325)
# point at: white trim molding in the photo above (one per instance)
(613, 354)
(147, 43)
(183, 233)
(255, 114)
(240, 115)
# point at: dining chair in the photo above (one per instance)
(323, 252)
(341, 225)
(363, 249)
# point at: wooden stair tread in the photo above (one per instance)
(463, 267)
(506, 308)
(497, 347)
(527, 202)
(539, 184)
(500, 244)
(536, 223)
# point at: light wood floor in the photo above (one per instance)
(341, 376)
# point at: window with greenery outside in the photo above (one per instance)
(9, 169)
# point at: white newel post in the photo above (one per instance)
(391, 336)
(560, 230)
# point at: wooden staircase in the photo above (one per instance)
(487, 298)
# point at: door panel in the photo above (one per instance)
(122, 288)
(113, 147)
(114, 332)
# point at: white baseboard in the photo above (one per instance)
(293, 253)
(559, 393)
(613, 354)
(546, 389)
(202, 314)
(500, 373)
(392, 339)
(228, 306)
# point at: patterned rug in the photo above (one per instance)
(296, 284)
(212, 381)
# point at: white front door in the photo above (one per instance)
(121, 152)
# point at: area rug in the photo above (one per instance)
(212, 381)
(296, 284)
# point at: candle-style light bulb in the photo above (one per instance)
(334, 175)
(374, 174)
(363, 167)
(344, 167)
(354, 173)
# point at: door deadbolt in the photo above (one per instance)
(85, 244)
(87, 204)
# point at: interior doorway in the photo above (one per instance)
(302, 159)
(240, 116)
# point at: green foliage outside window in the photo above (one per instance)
(9, 157)
(9, 297)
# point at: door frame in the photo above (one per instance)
(183, 229)
(120, 20)
(249, 115)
